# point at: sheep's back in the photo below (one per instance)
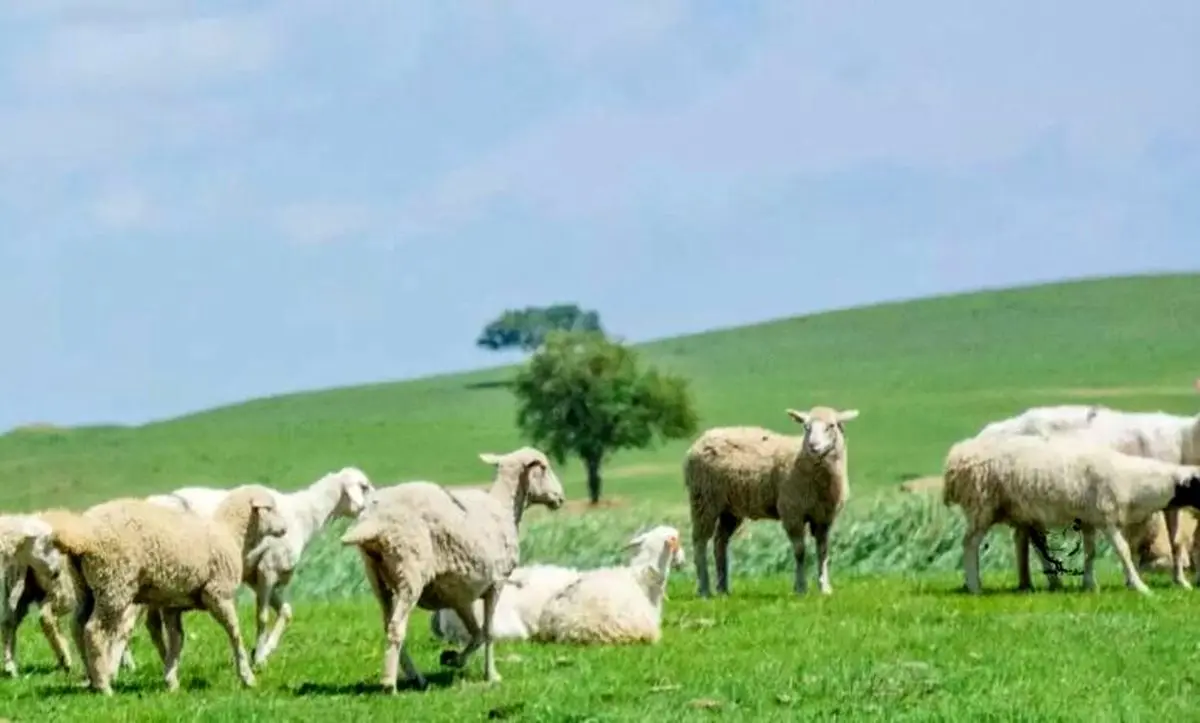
(740, 469)
(604, 606)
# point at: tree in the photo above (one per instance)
(526, 329)
(584, 395)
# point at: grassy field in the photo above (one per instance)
(892, 639)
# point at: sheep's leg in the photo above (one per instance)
(1089, 557)
(490, 598)
(1038, 538)
(475, 636)
(727, 524)
(1021, 550)
(262, 617)
(971, 542)
(154, 625)
(15, 614)
(1121, 547)
(703, 528)
(225, 612)
(396, 653)
(796, 536)
(103, 625)
(283, 616)
(820, 532)
(172, 651)
(119, 647)
(50, 629)
(1177, 551)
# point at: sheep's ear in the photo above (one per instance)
(847, 415)
(489, 458)
(799, 417)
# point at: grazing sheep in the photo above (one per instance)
(424, 545)
(1158, 435)
(20, 535)
(132, 552)
(339, 494)
(738, 473)
(616, 605)
(1057, 480)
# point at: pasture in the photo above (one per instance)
(894, 638)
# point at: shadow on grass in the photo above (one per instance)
(120, 687)
(493, 384)
(439, 679)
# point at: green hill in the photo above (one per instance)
(922, 372)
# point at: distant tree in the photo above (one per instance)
(584, 395)
(526, 329)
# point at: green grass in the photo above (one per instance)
(923, 373)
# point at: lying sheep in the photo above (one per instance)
(340, 494)
(1037, 482)
(522, 599)
(738, 473)
(424, 545)
(616, 605)
(529, 588)
(1038, 420)
(130, 552)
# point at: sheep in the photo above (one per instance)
(738, 473)
(424, 545)
(1167, 437)
(340, 494)
(1036, 481)
(521, 601)
(529, 589)
(129, 551)
(19, 535)
(616, 605)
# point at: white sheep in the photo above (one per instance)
(20, 534)
(738, 473)
(131, 552)
(1157, 435)
(1057, 480)
(340, 494)
(530, 587)
(424, 545)
(615, 605)
(521, 601)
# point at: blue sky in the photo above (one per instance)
(290, 194)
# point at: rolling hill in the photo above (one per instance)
(922, 372)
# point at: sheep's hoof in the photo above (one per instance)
(388, 687)
(10, 669)
(450, 659)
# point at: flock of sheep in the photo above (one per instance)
(456, 552)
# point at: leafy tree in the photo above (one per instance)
(584, 395)
(526, 329)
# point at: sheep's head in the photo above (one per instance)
(36, 549)
(533, 472)
(824, 429)
(1187, 488)
(355, 487)
(266, 519)
(660, 545)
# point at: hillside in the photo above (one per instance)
(923, 373)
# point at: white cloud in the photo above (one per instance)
(317, 222)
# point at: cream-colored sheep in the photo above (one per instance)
(130, 552)
(340, 494)
(424, 545)
(1038, 482)
(738, 473)
(616, 605)
(20, 536)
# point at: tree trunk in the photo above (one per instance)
(593, 479)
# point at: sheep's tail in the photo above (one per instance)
(362, 532)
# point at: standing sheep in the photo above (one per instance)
(1058, 480)
(738, 473)
(616, 605)
(340, 494)
(20, 536)
(423, 545)
(130, 552)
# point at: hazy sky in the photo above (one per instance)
(289, 194)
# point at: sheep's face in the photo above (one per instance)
(268, 519)
(541, 484)
(1187, 490)
(661, 543)
(824, 430)
(43, 557)
(356, 488)
(675, 549)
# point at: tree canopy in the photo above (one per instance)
(526, 329)
(585, 395)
